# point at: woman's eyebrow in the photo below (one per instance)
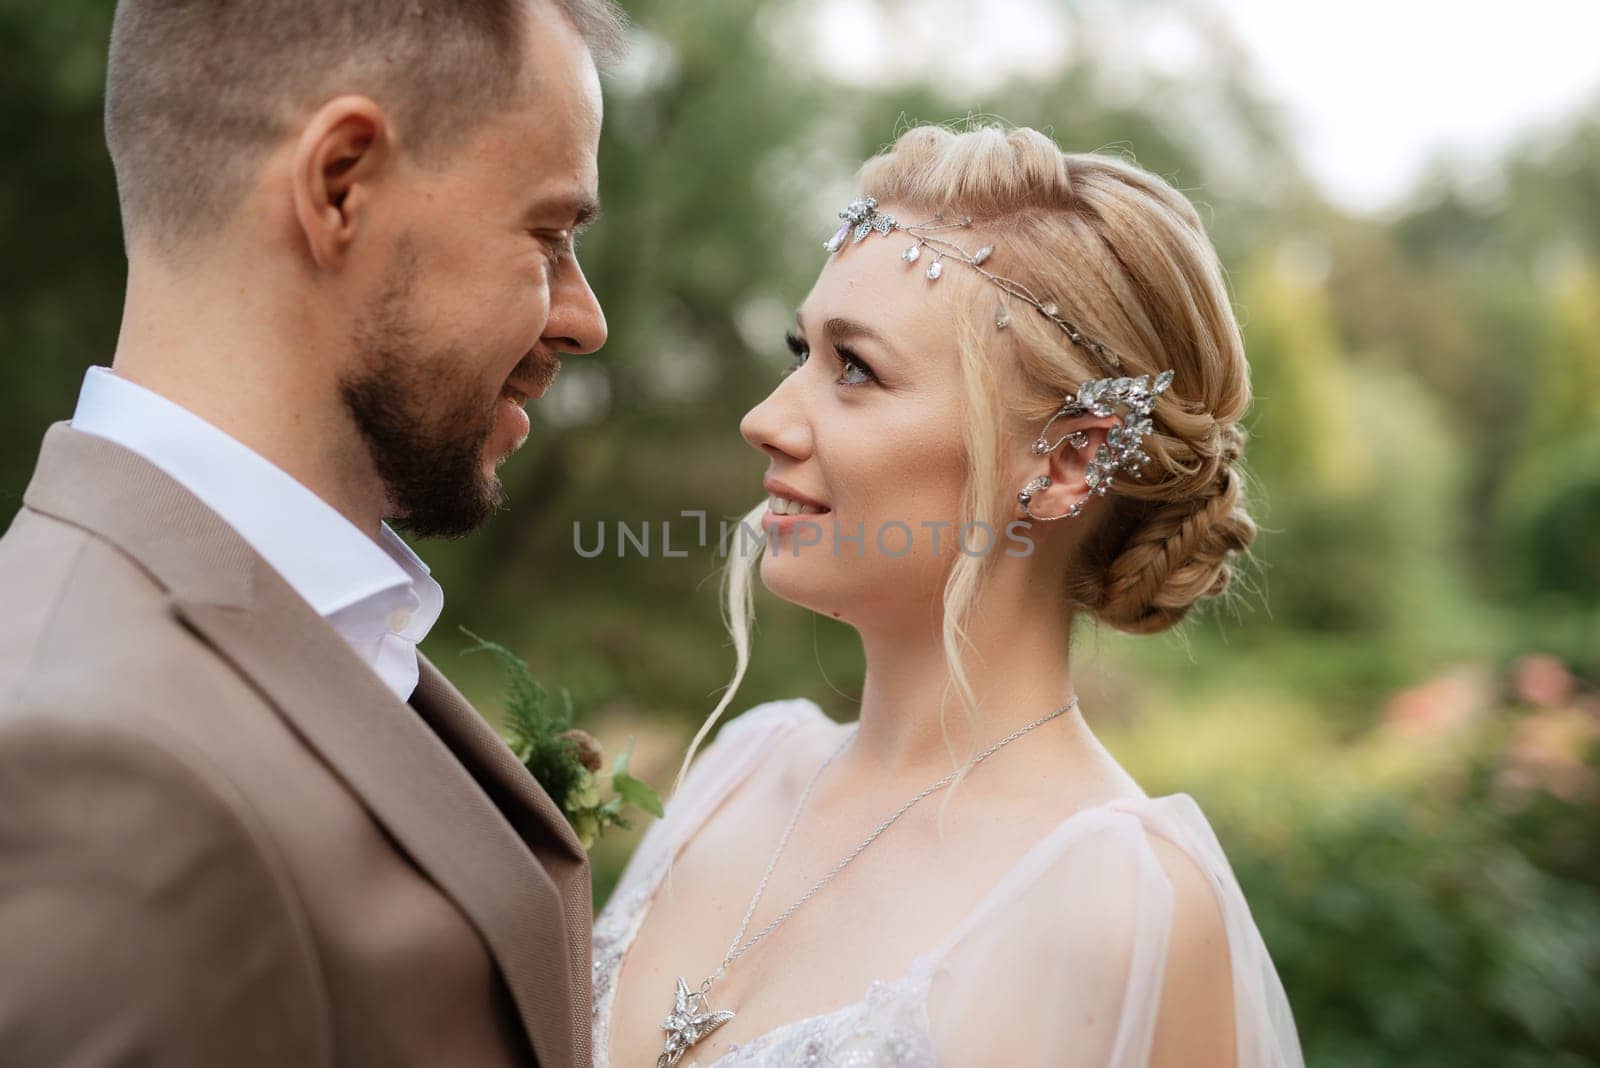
(851, 328)
(843, 329)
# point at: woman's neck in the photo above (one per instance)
(1018, 670)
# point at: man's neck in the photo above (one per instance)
(221, 351)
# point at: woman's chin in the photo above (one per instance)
(792, 578)
(811, 580)
(858, 590)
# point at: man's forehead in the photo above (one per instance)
(552, 153)
(558, 64)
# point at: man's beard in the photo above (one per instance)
(424, 419)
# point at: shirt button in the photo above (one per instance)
(399, 619)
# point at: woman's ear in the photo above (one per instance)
(338, 159)
(1076, 441)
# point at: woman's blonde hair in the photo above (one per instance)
(1125, 257)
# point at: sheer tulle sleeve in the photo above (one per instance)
(741, 744)
(1122, 939)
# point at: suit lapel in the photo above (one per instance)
(408, 776)
(535, 816)
(470, 737)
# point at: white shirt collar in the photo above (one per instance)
(378, 595)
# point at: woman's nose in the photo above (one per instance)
(777, 425)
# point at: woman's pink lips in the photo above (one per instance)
(783, 489)
(783, 524)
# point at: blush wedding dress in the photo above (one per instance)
(1092, 890)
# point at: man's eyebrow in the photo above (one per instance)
(581, 208)
(584, 213)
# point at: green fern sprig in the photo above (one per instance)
(565, 760)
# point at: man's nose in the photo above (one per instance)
(577, 323)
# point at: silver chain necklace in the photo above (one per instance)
(692, 1017)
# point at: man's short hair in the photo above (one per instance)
(197, 91)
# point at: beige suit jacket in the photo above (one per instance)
(225, 842)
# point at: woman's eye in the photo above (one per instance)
(855, 372)
(799, 350)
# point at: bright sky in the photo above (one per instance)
(1373, 87)
(1380, 84)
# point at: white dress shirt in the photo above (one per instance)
(378, 595)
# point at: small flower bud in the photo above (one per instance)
(590, 755)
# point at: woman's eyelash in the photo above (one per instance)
(856, 371)
(798, 349)
(852, 362)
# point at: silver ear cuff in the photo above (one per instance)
(1121, 451)
(1025, 498)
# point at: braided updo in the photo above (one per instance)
(1126, 258)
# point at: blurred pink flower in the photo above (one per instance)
(1442, 704)
(1541, 679)
(1553, 751)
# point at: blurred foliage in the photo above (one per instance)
(1424, 461)
(1431, 892)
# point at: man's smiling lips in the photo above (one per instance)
(531, 379)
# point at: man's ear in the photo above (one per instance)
(342, 151)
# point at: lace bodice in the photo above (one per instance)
(1072, 941)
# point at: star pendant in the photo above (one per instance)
(688, 1024)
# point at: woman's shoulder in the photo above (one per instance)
(1177, 831)
(746, 740)
(1215, 971)
(1170, 830)
(1180, 839)
(1136, 894)
(771, 718)
(1133, 863)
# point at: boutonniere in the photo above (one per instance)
(566, 761)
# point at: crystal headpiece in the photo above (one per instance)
(862, 217)
(1099, 397)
